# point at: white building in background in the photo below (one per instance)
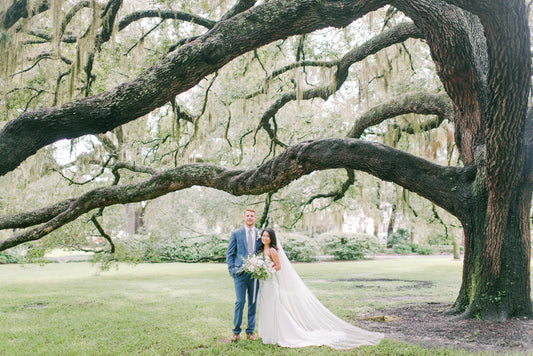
(350, 221)
(357, 223)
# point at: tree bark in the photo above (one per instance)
(488, 81)
(442, 185)
(178, 72)
(18, 10)
(509, 293)
(390, 227)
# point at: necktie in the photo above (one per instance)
(250, 241)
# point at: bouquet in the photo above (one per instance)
(257, 267)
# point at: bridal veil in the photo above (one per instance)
(290, 315)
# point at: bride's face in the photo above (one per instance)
(265, 238)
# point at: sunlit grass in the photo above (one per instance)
(170, 309)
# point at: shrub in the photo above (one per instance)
(156, 249)
(6, 257)
(402, 249)
(349, 246)
(398, 237)
(299, 248)
(194, 249)
(424, 249)
(438, 239)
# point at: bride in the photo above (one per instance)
(291, 316)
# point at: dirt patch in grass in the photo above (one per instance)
(428, 325)
(410, 284)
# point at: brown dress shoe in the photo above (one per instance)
(251, 337)
(235, 337)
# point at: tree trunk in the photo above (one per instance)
(456, 249)
(390, 227)
(508, 293)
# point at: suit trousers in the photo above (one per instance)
(243, 284)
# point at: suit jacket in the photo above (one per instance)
(238, 249)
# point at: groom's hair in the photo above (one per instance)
(250, 210)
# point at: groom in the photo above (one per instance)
(243, 242)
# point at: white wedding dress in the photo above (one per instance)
(290, 315)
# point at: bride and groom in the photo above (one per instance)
(289, 314)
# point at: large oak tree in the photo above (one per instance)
(481, 52)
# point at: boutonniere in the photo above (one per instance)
(258, 235)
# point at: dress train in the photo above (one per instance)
(290, 315)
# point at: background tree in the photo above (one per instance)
(481, 55)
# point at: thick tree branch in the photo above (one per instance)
(445, 186)
(424, 104)
(178, 72)
(463, 73)
(420, 103)
(31, 218)
(19, 10)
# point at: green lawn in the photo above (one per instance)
(174, 309)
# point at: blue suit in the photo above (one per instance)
(237, 252)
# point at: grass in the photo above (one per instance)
(173, 309)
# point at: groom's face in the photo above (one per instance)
(249, 218)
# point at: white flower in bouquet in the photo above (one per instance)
(257, 267)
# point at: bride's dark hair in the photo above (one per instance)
(273, 240)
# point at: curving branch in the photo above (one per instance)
(164, 15)
(240, 6)
(30, 218)
(19, 10)
(425, 104)
(40, 216)
(90, 180)
(296, 65)
(338, 193)
(178, 72)
(104, 234)
(419, 103)
(37, 93)
(46, 37)
(395, 35)
(108, 17)
(462, 73)
(41, 57)
(445, 186)
(70, 15)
